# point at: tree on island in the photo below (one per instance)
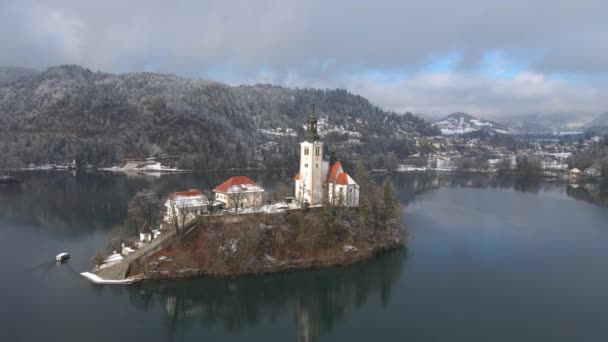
(143, 210)
(367, 200)
(179, 213)
(391, 207)
(390, 200)
(237, 196)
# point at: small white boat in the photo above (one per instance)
(61, 257)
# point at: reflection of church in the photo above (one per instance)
(317, 302)
(307, 320)
(320, 180)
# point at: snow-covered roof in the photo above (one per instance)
(189, 193)
(187, 199)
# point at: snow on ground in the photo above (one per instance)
(95, 279)
(267, 208)
(451, 131)
(278, 132)
(568, 133)
(480, 122)
(560, 154)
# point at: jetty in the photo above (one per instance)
(116, 274)
(95, 279)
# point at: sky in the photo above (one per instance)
(488, 58)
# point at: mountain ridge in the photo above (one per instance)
(70, 112)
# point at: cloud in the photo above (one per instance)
(477, 54)
(471, 92)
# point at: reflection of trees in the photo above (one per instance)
(596, 193)
(408, 185)
(74, 205)
(319, 299)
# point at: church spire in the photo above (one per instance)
(311, 129)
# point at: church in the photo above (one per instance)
(322, 181)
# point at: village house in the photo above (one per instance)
(185, 204)
(575, 174)
(239, 192)
(320, 180)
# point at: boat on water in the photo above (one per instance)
(61, 257)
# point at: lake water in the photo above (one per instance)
(489, 259)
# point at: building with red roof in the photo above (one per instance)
(239, 192)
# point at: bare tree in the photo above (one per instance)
(209, 199)
(143, 210)
(178, 211)
(237, 196)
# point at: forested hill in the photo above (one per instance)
(69, 112)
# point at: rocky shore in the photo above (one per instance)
(256, 244)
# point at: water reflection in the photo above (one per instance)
(76, 204)
(411, 184)
(38, 216)
(73, 205)
(319, 300)
(596, 193)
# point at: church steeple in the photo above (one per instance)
(312, 134)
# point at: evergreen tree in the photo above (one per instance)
(390, 201)
(367, 201)
(329, 221)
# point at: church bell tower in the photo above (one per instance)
(310, 186)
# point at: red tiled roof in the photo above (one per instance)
(297, 176)
(236, 180)
(342, 179)
(189, 193)
(333, 171)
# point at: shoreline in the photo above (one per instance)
(285, 267)
(259, 244)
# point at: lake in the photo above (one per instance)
(489, 258)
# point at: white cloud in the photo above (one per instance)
(335, 44)
(444, 93)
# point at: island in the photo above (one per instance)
(331, 220)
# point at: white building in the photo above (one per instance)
(239, 192)
(320, 180)
(190, 203)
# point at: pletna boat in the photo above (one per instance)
(61, 257)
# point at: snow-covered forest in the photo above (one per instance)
(69, 112)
